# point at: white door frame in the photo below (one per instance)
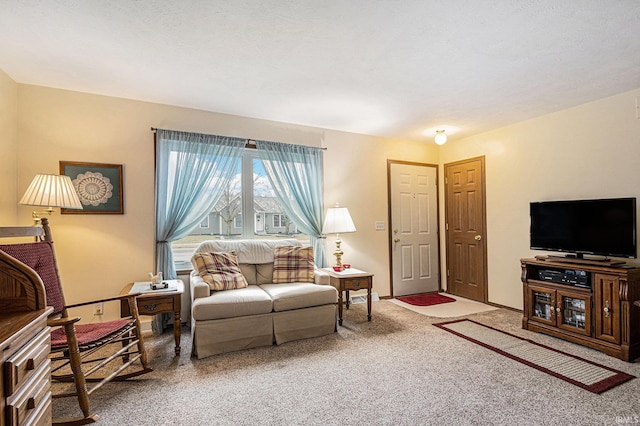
(389, 220)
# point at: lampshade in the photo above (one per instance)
(338, 221)
(51, 191)
(441, 137)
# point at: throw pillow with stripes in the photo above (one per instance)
(293, 265)
(220, 270)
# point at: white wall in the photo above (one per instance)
(8, 149)
(99, 254)
(356, 177)
(590, 151)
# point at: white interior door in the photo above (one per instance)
(414, 228)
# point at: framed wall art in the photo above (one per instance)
(99, 187)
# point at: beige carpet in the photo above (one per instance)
(461, 307)
(397, 369)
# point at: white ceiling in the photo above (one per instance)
(396, 68)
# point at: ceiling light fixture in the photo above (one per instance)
(441, 137)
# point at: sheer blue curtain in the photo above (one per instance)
(192, 171)
(295, 173)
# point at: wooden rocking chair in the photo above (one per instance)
(78, 351)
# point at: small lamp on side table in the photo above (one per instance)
(338, 221)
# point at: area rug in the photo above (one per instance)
(578, 371)
(426, 299)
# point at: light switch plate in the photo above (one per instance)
(379, 226)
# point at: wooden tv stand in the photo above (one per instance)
(595, 310)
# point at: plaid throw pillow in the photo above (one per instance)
(219, 270)
(293, 264)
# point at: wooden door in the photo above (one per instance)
(414, 242)
(465, 229)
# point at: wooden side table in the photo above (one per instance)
(153, 302)
(347, 280)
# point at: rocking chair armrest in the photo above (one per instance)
(59, 322)
(109, 299)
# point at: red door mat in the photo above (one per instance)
(426, 299)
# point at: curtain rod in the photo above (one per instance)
(252, 142)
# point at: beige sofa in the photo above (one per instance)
(262, 313)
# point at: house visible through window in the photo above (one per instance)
(250, 191)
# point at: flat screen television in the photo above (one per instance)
(605, 227)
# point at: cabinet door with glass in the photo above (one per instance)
(573, 312)
(542, 305)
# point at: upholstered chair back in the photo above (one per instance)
(39, 256)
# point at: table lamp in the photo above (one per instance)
(338, 221)
(51, 191)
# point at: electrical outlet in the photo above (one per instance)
(98, 309)
(638, 107)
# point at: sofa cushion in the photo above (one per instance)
(251, 300)
(293, 264)
(249, 272)
(249, 251)
(300, 295)
(264, 273)
(220, 270)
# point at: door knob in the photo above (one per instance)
(396, 240)
(478, 237)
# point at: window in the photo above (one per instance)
(205, 222)
(250, 191)
(228, 207)
(278, 220)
